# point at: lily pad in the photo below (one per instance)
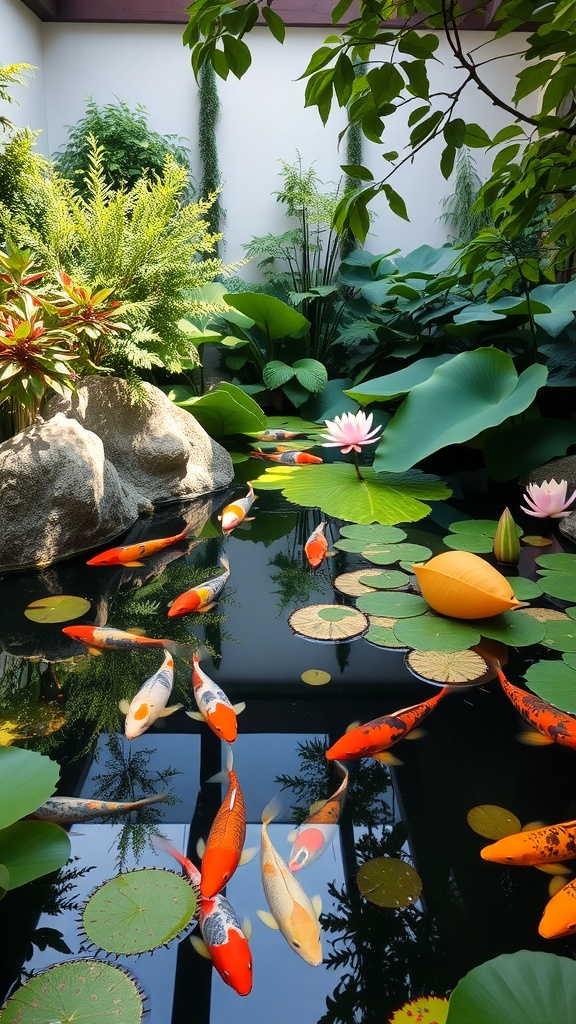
(524, 589)
(389, 882)
(398, 605)
(560, 561)
(554, 681)
(492, 821)
(523, 986)
(349, 582)
(390, 580)
(560, 636)
(432, 1009)
(398, 552)
(475, 535)
(59, 608)
(512, 628)
(387, 498)
(333, 622)
(315, 677)
(454, 667)
(83, 991)
(546, 614)
(559, 584)
(436, 633)
(361, 538)
(30, 849)
(27, 780)
(381, 632)
(137, 911)
(534, 541)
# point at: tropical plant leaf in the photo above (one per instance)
(276, 318)
(57, 608)
(226, 409)
(389, 882)
(311, 374)
(397, 605)
(83, 991)
(436, 633)
(393, 385)
(335, 489)
(30, 849)
(492, 821)
(554, 681)
(27, 780)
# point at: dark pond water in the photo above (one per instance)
(65, 703)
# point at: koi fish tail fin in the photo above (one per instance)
(178, 650)
(157, 798)
(200, 654)
(271, 811)
(225, 563)
(256, 453)
(341, 769)
(229, 758)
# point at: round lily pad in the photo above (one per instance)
(358, 537)
(559, 561)
(83, 991)
(398, 605)
(559, 584)
(545, 614)
(524, 589)
(388, 554)
(473, 535)
(554, 681)
(349, 582)
(436, 633)
(454, 667)
(570, 612)
(493, 822)
(381, 632)
(432, 1009)
(560, 635)
(315, 677)
(390, 580)
(137, 911)
(474, 527)
(389, 882)
(513, 628)
(334, 622)
(60, 608)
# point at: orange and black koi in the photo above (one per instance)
(108, 638)
(544, 717)
(287, 457)
(226, 838)
(382, 733)
(277, 435)
(548, 845)
(129, 554)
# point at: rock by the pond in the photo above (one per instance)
(84, 475)
(560, 469)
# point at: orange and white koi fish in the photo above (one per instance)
(316, 833)
(237, 511)
(548, 845)
(66, 810)
(201, 598)
(97, 638)
(316, 547)
(382, 733)
(224, 937)
(559, 917)
(277, 435)
(130, 554)
(150, 701)
(544, 717)
(213, 705)
(287, 456)
(225, 839)
(291, 910)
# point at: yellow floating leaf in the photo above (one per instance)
(493, 822)
(315, 677)
(545, 614)
(334, 622)
(455, 667)
(389, 882)
(57, 608)
(428, 1009)
(531, 825)
(536, 542)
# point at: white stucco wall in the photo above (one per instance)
(21, 43)
(262, 120)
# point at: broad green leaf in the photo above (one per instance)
(390, 580)
(554, 681)
(523, 588)
(522, 986)
(465, 396)
(224, 410)
(27, 780)
(276, 373)
(361, 538)
(436, 633)
(558, 584)
(30, 849)
(561, 561)
(382, 389)
(57, 608)
(406, 553)
(335, 489)
(311, 374)
(330, 402)
(270, 314)
(84, 991)
(382, 636)
(393, 605)
(512, 628)
(560, 635)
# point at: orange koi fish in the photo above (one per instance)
(316, 547)
(107, 638)
(224, 937)
(129, 554)
(316, 833)
(235, 513)
(225, 839)
(201, 598)
(559, 917)
(213, 705)
(66, 810)
(287, 456)
(544, 717)
(548, 845)
(277, 435)
(150, 702)
(382, 733)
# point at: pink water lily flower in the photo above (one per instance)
(349, 431)
(548, 499)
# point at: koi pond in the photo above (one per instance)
(426, 807)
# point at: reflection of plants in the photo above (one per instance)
(293, 580)
(31, 711)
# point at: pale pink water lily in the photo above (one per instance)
(349, 431)
(548, 499)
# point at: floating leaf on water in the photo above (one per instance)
(454, 667)
(475, 527)
(381, 632)
(315, 677)
(474, 535)
(525, 589)
(137, 911)
(349, 582)
(559, 584)
(536, 542)
(83, 991)
(367, 536)
(435, 633)
(560, 636)
(493, 822)
(389, 882)
(559, 561)
(554, 681)
(431, 1009)
(60, 608)
(387, 555)
(390, 580)
(397, 605)
(570, 612)
(334, 622)
(545, 614)
(516, 629)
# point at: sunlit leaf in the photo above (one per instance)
(328, 622)
(30, 849)
(398, 605)
(224, 410)
(431, 1009)
(545, 614)
(27, 780)
(59, 608)
(390, 580)
(83, 991)
(493, 822)
(523, 986)
(315, 677)
(454, 667)
(436, 633)
(389, 882)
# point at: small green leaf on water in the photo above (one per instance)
(559, 562)
(492, 821)
(59, 608)
(512, 628)
(335, 614)
(554, 681)
(315, 677)
(536, 542)
(83, 991)
(560, 635)
(396, 553)
(523, 588)
(389, 882)
(349, 582)
(392, 603)
(559, 584)
(436, 633)
(390, 580)
(363, 536)
(381, 632)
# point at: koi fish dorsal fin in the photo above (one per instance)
(240, 707)
(200, 946)
(170, 710)
(267, 918)
(271, 811)
(196, 716)
(316, 902)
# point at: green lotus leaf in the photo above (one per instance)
(560, 635)
(336, 490)
(407, 553)
(83, 991)
(559, 584)
(383, 636)
(512, 628)
(476, 527)
(475, 535)
(436, 633)
(30, 849)
(226, 409)
(392, 385)
(522, 986)
(276, 318)
(365, 538)
(139, 910)
(333, 614)
(294, 423)
(57, 608)
(571, 611)
(464, 396)
(554, 681)
(561, 561)
(523, 588)
(390, 580)
(394, 604)
(389, 882)
(27, 779)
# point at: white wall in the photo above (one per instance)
(263, 119)
(21, 43)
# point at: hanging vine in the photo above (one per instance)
(209, 114)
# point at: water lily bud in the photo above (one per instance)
(506, 541)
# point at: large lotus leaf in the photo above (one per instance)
(330, 402)
(30, 849)
(436, 633)
(538, 988)
(392, 385)
(271, 315)
(27, 780)
(336, 490)
(511, 628)
(224, 410)
(57, 608)
(561, 300)
(513, 451)
(473, 391)
(554, 681)
(83, 991)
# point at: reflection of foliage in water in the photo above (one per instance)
(294, 581)
(128, 778)
(31, 711)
